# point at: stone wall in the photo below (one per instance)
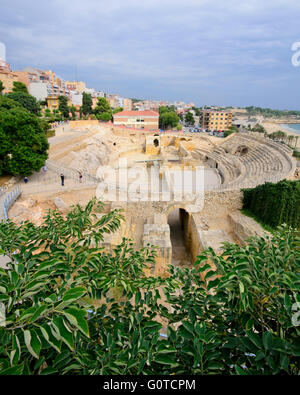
(244, 227)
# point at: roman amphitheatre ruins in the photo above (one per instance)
(178, 224)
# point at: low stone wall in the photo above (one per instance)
(245, 227)
(83, 123)
(218, 202)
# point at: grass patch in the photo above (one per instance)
(249, 214)
(50, 133)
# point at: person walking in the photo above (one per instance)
(45, 169)
(25, 179)
(62, 179)
(80, 176)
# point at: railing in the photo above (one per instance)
(72, 173)
(9, 200)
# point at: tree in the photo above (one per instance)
(168, 120)
(105, 116)
(27, 101)
(19, 87)
(86, 103)
(47, 113)
(6, 103)
(102, 107)
(189, 118)
(24, 146)
(73, 111)
(258, 128)
(1, 87)
(118, 109)
(63, 106)
(72, 308)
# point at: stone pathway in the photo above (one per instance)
(180, 255)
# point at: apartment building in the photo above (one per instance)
(114, 101)
(79, 86)
(52, 103)
(40, 90)
(138, 119)
(7, 77)
(215, 120)
(127, 104)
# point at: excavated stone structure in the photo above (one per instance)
(179, 228)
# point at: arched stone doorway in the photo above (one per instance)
(178, 220)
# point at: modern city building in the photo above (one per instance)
(40, 90)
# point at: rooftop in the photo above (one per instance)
(137, 113)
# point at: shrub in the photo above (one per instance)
(275, 204)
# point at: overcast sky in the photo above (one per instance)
(227, 52)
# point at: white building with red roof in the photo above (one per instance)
(137, 119)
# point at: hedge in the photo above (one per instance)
(274, 204)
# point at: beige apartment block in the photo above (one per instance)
(127, 104)
(137, 119)
(79, 86)
(216, 120)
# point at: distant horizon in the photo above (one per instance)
(229, 54)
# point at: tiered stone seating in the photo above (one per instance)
(265, 161)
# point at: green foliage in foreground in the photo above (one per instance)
(239, 323)
(275, 204)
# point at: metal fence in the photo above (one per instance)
(72, 173)
(9, 200)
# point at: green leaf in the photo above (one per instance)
(213, 284)
(16, 351)
(284, 361)
(164, 359)
(242, 288)
(14, 371)
(39, 312)
(239, 370)
(188, 326)
(214, 365)
(73, 294)
(32, 342)
(255, 339)
(65, 334)
(46, 331)
(76, 318)
(268, 340)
